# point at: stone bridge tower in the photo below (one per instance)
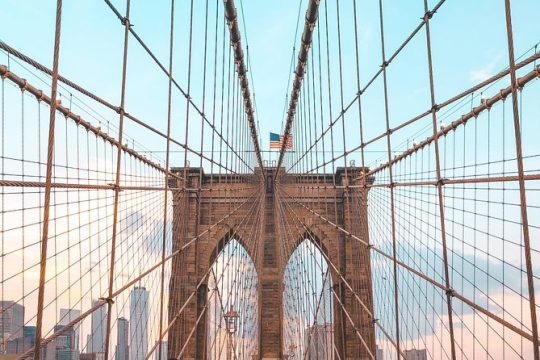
(324, 194)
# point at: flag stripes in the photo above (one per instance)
(276, 141)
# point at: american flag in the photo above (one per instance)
(276, 141)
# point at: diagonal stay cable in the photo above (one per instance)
(126, 286)
(435, 283)
(414, 119)
(334, 267)
(248, 106)
(251, 214)
(116, 109)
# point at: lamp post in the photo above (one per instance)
(292, 350)
(231, 317)
(291, 354)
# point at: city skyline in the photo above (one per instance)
(18, 338)
(139, 194)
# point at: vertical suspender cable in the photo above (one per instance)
(109, 299)
(307, 38)
(521, 181)
(48, 182)
(166, 195)
(230, 15)
(440, 191)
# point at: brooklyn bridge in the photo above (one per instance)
(233, 179)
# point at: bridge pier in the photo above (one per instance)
(359, 339)
(271, 281)
(185, 275)
(346, 207)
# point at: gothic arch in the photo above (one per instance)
(316, 334)
(224, 239)
(217, 301)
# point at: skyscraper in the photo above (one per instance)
(378, 353)
(68, 315)
(96, 339)
(11, 320)
(63, 347)
(66, 348)
(163, 351)
(415, 354)
(122, 339)
(20, 345)
(138, 330)
(318, 341)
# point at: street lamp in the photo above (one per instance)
(290, 355)
(292, 350)
(231, 317)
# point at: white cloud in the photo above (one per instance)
(477, 337)
(487, 71)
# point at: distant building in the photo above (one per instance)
(122, 339)
(138, 329)
(64, 346)
(68, 315)
(96, 338)
(415, 354)
(319, 341)
(21, 345)
(92, 356)
(378, 353)
(11, 323)
(163, 351)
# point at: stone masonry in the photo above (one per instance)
(195, 211)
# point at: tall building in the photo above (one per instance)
(378, 353)
(415, 354)
(122, 338)
(163, 351)
(96, 338)
(92, 356)
(64, 346)
(68, 315)
(319, 340)
(11, 323)
(138, 329)
(21, 345)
